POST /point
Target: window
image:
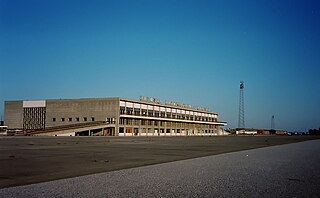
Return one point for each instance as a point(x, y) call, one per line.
point(121, 130)
point(78, 119)
point(128, 121)
point(156, 113)
point(136, 122)
point(122, 110)
point(70, 119)
point(143, 122)
point(136, 111)
point(129, 111)
point(53, 119)
point(144, 112)
point(121, 120)
point(112, 120)
point(150, 113)
point(92, 119)
point(85, 119)
point(62, 119)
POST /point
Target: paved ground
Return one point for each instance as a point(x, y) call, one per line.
point(290, 170)
point(27, 160)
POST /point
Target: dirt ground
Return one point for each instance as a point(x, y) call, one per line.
point(26, 160)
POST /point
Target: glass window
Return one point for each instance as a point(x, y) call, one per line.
point(70, 119)
point(143, 122)
point(150, 113)
point(129, 111)
point(136, 122)
point(156, 113)
point(62, 119)
point(136, 111)
point(129, 121)
point(85, 119)
point(144, 112)
point(168, 115)
point(122, 110)
point(53, 119)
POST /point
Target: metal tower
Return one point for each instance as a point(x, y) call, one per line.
point(241, 107)
point(272, 123)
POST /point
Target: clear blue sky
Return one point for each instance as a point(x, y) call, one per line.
point(195, 52)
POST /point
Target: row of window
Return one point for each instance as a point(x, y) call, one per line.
point(129, 121)
point(149, 130)
point(151, 113)
point(77, 119)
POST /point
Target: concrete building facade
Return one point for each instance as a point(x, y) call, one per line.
point(114, 116)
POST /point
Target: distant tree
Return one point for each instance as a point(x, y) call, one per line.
point(310, 131)
point(314, 131)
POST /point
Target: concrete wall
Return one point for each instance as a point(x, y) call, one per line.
point(74, 111)
point(13, 114)
point(99, 109)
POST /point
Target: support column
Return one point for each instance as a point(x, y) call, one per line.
point(165, 128)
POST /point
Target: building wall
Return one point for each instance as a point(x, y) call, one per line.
point(139, 118)
point(13, 114)
point(128, 117)
point(75, 111)
point(150, 127)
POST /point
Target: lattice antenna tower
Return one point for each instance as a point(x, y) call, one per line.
point(272, 123)
point(241, 123)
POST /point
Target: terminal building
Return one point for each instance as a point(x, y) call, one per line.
point(109, 117)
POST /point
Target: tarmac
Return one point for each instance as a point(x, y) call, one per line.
point(29, 160)
point(289, 170)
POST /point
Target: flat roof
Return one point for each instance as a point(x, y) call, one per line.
point(124, 99)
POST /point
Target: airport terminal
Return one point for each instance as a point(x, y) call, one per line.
point(109, 117)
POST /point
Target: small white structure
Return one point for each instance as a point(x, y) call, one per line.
point(246, 132)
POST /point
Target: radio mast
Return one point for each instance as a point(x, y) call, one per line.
point(272, 123)
point(241, 106)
